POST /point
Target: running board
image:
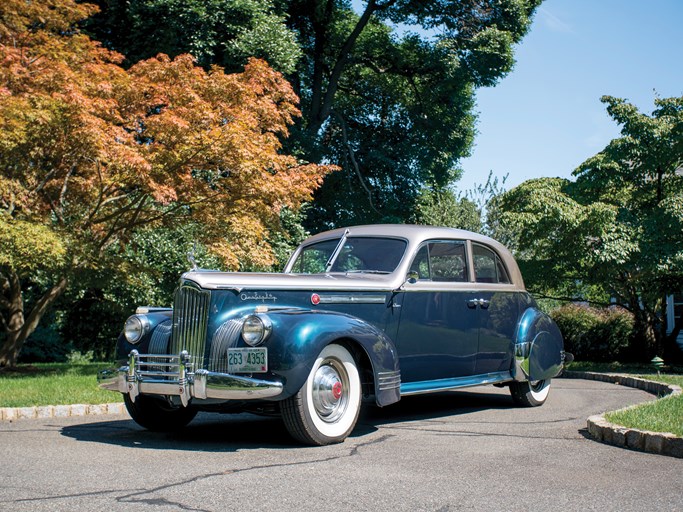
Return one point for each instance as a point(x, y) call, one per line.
point(433, 386)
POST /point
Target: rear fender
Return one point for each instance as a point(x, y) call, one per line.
point(539, 348)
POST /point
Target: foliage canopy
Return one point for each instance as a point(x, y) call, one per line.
point(91, 152)
point(618, 227)
point(387, 91)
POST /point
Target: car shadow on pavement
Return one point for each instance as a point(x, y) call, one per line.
point(231, 432)
point(433, 407)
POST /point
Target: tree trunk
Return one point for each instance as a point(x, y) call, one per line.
point(9, 351)
point(18, 327)
point(645, 343)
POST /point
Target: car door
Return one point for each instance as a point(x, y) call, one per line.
point(438, 332)
point(498, 305)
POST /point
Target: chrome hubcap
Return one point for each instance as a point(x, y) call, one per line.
point(330, 391)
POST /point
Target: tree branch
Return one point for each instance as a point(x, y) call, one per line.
point(354, 163)
point(47, 178)
point(323, 107)
point(62, 193)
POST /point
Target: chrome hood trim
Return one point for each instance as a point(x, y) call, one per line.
point(239, 281)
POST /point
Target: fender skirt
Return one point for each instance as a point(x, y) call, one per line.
point(539, 348)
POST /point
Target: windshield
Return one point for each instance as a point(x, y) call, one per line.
point(358, 254)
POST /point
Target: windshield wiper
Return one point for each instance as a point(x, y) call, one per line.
point(336, 251)
point(361, 271)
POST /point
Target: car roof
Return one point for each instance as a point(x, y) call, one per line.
point(412, 232)
point(416, 234)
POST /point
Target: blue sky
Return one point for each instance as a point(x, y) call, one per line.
point(545, 118)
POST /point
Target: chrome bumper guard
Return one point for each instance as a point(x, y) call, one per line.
point(173, 375)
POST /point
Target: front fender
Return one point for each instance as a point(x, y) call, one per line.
point(155, 341)
point(539, 347)
point(300, 335)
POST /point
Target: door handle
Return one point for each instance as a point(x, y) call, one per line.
point(482, 303)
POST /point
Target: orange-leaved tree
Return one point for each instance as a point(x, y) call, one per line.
point(90, 152)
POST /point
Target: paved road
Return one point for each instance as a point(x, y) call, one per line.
point(469, 450)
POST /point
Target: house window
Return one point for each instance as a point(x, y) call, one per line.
point(674, 310)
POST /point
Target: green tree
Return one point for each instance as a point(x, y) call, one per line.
point(467, 209)
point(222, 32)
point(393, 107)
point(387, 93)
point(444, 208)
point(144, 271)
point(619, 227)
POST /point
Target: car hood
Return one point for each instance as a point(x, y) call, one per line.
point(239, 281)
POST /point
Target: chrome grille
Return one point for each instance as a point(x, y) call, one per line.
point(160, 337)
point(190, 318)
point(225, 337)
point(159, 342)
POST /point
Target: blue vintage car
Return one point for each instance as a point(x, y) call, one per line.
point(362, 314)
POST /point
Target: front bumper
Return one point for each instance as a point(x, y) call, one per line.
point(155, 374)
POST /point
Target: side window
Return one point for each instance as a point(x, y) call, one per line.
point(488, 267)
point(421, 263)
point(312, 259)
point(441, 261)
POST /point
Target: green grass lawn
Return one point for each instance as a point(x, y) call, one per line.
point(663, 415)
point(53, 384)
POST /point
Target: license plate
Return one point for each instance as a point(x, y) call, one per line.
point(247, 360)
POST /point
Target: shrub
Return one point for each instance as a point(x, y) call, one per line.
point(93, 323)
point(45, 345)
point(594, 334)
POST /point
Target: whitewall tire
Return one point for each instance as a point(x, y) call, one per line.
point(325, 409)
point(530, 394)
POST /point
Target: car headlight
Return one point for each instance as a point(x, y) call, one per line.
point(256, 329)
point(135, 328)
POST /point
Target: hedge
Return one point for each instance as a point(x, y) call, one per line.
point(595, 334)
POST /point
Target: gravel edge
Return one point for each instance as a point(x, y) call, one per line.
point(642, 440)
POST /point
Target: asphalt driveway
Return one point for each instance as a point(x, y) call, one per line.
point(469, 450)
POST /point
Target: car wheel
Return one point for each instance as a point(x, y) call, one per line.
point(530, 394)
point(325, 409)
point(155, 414)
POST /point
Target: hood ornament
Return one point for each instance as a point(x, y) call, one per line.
point(191, 258)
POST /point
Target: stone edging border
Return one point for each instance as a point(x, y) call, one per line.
point(642, 440)
point(59, 411)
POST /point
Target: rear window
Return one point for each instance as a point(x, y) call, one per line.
point(488, 267)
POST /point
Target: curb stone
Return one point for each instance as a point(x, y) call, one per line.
point(642, 440)
point(10, 414)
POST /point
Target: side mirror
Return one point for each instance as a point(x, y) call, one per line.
point(412, 277)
